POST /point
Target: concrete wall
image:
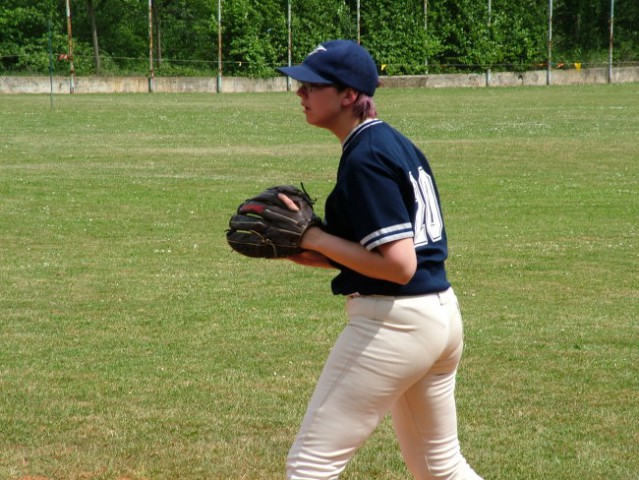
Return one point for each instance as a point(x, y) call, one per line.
point(61, 85)
point(512, 79)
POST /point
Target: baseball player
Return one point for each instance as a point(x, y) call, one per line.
point(384, 233)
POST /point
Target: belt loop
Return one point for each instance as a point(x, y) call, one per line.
point(444, 296)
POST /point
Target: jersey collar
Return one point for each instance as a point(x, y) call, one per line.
point(358, 129)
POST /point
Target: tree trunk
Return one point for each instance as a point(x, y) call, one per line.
point(94, 36)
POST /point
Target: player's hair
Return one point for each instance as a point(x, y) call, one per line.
point(364, 106)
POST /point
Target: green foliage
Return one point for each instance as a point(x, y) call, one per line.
point(517, 41)
point(315, 21)
point(454, 35)
point(23, 33)
point(250, 31)
point(462, 28)
point(396, 37)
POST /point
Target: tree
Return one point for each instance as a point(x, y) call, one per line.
point(111, 36)
point(25, 27)
point(396, 37)
point(94, 35)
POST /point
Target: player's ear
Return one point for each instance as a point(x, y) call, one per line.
point(350, 96)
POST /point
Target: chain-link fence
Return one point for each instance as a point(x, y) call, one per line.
point(248, 38)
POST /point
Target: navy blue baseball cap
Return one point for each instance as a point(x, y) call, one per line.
point(341, 62)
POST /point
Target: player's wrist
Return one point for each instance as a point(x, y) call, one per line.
point(311, 239)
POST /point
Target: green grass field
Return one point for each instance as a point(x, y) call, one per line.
point(135, 345)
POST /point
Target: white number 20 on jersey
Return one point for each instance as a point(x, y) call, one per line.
point(428, 218)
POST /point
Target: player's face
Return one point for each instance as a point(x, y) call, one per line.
point(321, 103)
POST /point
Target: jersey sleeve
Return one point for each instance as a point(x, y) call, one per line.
point(378, 213)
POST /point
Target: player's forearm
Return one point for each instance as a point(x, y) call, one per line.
point(310, 258)
point(393, 263)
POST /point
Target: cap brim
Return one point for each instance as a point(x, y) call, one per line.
point(302, 73)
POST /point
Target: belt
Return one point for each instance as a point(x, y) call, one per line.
point(444, 295)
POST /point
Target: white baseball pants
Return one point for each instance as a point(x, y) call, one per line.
point(397, 354)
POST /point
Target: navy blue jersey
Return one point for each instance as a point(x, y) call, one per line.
point(385, 191)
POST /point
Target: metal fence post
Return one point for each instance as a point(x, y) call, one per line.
point(219, 46)
point(549, 66)
point(611, 21)
point(426, 34)
point(359, 35)
point(70, 54)
point(490, 12)
point(290, 44)
point(151, 69)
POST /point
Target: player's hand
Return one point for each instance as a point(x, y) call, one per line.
point(311, 233)
point(288, 202)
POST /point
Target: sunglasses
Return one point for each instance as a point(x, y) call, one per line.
point(311, 87)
